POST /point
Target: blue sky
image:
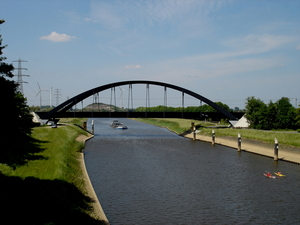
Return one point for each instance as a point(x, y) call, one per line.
point(224, 50)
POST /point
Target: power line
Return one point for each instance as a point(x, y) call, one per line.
point(57, 95)
point(20, 75)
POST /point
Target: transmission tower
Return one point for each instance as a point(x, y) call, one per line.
point(57, 95)
point(20, 75)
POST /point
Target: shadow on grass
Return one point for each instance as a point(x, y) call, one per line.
point(20, 150)
point(35, 201)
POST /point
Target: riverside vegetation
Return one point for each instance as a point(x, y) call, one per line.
point(49, 188)
point(181, 126)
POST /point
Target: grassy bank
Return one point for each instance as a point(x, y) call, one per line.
point(176, 125)
point(49, 188)
point(182, 125)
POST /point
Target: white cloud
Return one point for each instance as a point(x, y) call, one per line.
point(133, 67)
point(56, 37)
point(253, 44)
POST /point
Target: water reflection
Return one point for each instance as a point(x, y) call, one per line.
point(148, 175)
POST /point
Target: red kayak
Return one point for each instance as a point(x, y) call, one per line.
point(269, 175)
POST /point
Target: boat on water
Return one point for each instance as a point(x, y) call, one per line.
point(269, 175)
point(121, 126)
point(117, 125)
point(279, 174)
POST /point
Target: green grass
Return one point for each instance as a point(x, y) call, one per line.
point(181, 125)
point(285, 138)
point(60, 151)
point(176, 125)
point(78, 121)
point(50, 189)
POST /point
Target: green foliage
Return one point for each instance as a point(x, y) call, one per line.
point(278, 115)
point(5, 69)
point(161, 108)
point(297, 113)
point(16, 120)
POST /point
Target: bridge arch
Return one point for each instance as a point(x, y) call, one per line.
point(63, 107)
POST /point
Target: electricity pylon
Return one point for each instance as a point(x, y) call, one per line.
point(20, 75)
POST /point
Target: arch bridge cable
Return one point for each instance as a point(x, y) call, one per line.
point(61, 110)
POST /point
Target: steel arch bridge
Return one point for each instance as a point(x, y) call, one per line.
point(61, 110)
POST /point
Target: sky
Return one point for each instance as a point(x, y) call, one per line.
point(224, 50)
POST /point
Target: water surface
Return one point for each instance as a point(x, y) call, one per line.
point(149, 175)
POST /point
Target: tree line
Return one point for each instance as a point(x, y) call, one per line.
point(203, 108)
point(278, 115)
point(274, 115)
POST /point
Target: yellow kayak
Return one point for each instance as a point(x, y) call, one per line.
point(279, 174)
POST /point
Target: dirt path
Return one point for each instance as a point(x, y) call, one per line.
point(284, 153)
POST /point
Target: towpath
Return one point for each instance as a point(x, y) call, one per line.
point(285, 153)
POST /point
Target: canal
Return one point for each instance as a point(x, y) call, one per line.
point(149, 175)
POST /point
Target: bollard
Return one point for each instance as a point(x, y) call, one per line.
point(84, 125)
point(239, 142)
point(192, 126)
point(92, 126)
point(276, 150)
point(194, 134)
point(213, 136)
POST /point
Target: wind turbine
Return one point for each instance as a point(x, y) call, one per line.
point(40, 92)
point(121, 95)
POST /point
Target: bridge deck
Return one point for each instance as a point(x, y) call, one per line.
point(215, 116)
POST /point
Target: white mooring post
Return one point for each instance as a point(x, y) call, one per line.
point(213, 136)
point(92, 126)
point(239, 142)
point(276, 150)
point(193, 129)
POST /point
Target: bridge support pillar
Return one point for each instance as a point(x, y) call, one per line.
point(276, 150)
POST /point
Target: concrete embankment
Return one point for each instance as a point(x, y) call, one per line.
point(285, 153)
point(98, 212)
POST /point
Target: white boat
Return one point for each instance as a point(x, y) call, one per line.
point(117, 125)
point(121, 126)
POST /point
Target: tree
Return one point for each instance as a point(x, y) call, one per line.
point(278, 115)
point(297, 112)
point(255, 109)
point(16, 120)
point(286, 117)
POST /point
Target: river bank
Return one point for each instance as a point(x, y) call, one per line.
point(97, 208)
point(290, 154)
point(52, 186)
point(254, 141)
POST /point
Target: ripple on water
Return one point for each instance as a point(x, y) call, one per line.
point(141, 178)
